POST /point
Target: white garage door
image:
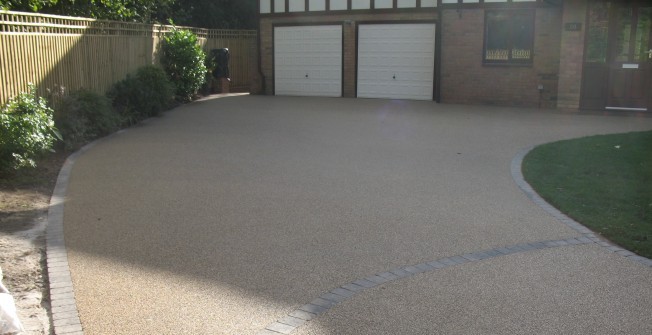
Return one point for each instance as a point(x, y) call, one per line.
point(308, 61)
point(396, 61)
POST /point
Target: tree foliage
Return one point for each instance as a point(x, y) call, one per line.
point(184, 62)
point(226, 14)
point(26, 130)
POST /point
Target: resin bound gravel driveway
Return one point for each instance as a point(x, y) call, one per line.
point(254, 214)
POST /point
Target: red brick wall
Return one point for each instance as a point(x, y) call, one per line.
point(572, 55)
point(464, 79)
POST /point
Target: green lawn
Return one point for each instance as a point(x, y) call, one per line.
point(603, 182)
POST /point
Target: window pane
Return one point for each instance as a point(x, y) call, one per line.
point(521, 37)
point(623, 31)
point(360, 4)
point(317, 5)
point(297, 6)
point(508, 36)
point(383, 4)
point(598, 32)
point(643, 34)
point(497, 36)
point(339, 4)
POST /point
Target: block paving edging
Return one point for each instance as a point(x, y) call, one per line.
point(328, 300)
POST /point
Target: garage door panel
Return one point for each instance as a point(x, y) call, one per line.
point(396, 61)
point(308, 60)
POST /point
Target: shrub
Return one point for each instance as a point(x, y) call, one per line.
point(146, 94)
point(26, 130)
point(84, 116)
point(183, 61)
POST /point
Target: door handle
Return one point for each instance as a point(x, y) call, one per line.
point(649, 54)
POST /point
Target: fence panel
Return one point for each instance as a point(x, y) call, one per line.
point(68, 53)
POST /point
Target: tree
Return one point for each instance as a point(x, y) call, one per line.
point(121, 10)
point(224, 14)
point(212, 14)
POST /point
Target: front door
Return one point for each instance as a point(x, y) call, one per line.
point(630, 56)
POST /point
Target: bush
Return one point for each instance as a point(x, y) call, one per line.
point(84, 116)
point(26, 130)
point(183, 61)
point(138, 97)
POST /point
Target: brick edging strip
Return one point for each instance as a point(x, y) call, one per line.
point(517, 175)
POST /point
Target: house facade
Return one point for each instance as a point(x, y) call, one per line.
point(569, 54)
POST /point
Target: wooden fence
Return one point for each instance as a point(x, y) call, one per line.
point(68, 53)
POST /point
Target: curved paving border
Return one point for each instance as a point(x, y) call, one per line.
point(328, 300)
point(517, 175)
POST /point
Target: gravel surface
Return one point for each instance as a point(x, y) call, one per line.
point(225, 215)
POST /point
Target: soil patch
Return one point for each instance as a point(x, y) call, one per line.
point(24, 200)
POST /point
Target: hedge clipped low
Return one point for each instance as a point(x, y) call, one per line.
point(183, 61)
point(26, 130)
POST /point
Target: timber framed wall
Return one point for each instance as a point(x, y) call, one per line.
point(58, 52)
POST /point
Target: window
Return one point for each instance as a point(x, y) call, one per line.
point(508, 37)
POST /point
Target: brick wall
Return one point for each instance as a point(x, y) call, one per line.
point(572, 55)
point(464, 79)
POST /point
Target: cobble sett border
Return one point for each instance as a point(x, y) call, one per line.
point(65, 315)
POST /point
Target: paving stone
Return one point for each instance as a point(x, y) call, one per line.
point(343, 292)
point(493, 253)
point(314, 309)
point(504, 251)
point(447, 261)
point(459, 259)
point(333, 297)
point(471, 257)
point(388, 275)
point(65, 315)
point(365, 283)
point(323, 302)
point(437, 264)
point(401, 273)
point(64, 308)
point(267, 332)
point(67, 322)
point(292, 321)
point(625, 253)
point(303, 315)
point(377, 279)
point(69, 329)
point(413, 269)
point(614, 248)
point(353, 287)
point(424, 266)
point(281, 328)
